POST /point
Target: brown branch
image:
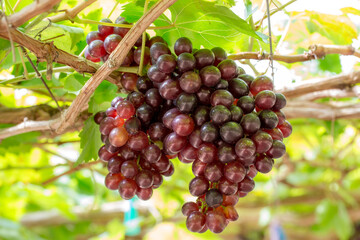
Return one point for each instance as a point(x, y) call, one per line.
point(34, 113)
point(70, 171)
point(309, 86)
point(71, 13)
point(17, 19)
point(114, 61)
point(332, 93)
point(315, 52)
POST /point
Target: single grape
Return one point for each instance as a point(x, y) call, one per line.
point(158, 49)
point(138, 141)
point(89, 57)
point(231, 213)
point(230, 200)
point(207, 152)
point(190, 82)
point(186, 102)
point(198, 168)
point(268, 119)
point(127, 188)
point(189, 152)
point(182, 45)
point(265, 99)
point(105, 31)
point(145, 113)
point(234, 172)
point(183, 159)
point(153, 98)
point(127, 153)
point(111, 42)
point(151, 153)
point(209, 132)
point(128, 59)
point(170, 171)
point(215, 221)
point(223, 84)
point(213, 171)
point(264, 163)
point(247, 161)
point(96, 49)
point(226, 153)
point(138, 42)
point(252, 171)
point(157, 131)
point(186, 62)
point(220, 55)
point(247, 78)
point(246, 185)
point(231, 132)
point(204, 57)
point(106, 125)
point(156, 39)
point(236, 113)
point(261, 83)
point(174, 143)
point(195, 222)
point(137, 56)
point(203, 95)
point(198, 186)
point(220, 114)
point(188, 208)
point(143, 84)
point(136, 98)
point(250, 123)
point(285, 128)
point(111, 112)
point(281, 117)
point(99, 116)
point(110, 147)
point(162, 165)
point(238, 87)
point(201, 115)
point(144, 179)
point(263, 141)
point(275, 133)
point(226, 187)
point(144, 193)
point(195, 138)
point(157, 179)
point(170, 89)
point(280, 102)
point(155, 75)
point(169, 116)
point(125, 109)
point(114, 164)
point(120, 30)
point(94, 35)
point(129, 169)
point(210, 76)
point(228, 69)
point(166, 63)
point(213, 198)
point(277, 149)
point(221, 97)
point(183, 125)
point(133, 125)
point(246, 103)
point(112, 180)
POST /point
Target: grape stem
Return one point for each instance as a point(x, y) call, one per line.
point(141, 65)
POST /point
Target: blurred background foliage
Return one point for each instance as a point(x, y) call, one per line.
point(313, 192)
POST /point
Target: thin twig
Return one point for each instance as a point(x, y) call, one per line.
point(39, 76)
point(9, 34)
point(141, 65)
point(71, 13)
point(32, 168)
point(270, 40)
point(69, 161)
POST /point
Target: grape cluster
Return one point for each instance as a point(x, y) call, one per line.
point(202, 108)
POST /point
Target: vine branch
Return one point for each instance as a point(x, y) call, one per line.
point(71, 13)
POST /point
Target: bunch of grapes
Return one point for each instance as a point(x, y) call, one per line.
point(202, 108)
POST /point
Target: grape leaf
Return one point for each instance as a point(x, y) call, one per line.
point(330, 63)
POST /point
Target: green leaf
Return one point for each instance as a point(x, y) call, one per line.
point(74, 82)
point(248, 8)
point(90, 141)
point(102, 97)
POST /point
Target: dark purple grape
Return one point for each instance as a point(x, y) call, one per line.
point(169, 116)
point(247, 78)
point(198, 168)
point(170, 89)
point(228, 69)
point(145, 113)
point(111, 148)
point(265, 99)
point(263, 141)
point(285, 128)
point(226, 187)
point(230, 200)
point(158, 49)
point(188, 208)
point(138, 42)
point(151, 153)
point(137, 56)
point(144, 179)
point(114, 164)
point(94, 35)
point(198, 186)
point(133, 125)
point(170, 171)
point(220, 55)
point(204, 95)
point(261, 83)
point(174, 143)
point(190, 82)
point(195, 222)
point(96, 49)
point(91, 58)
point(129, 168)
point(246, 185)
point(138, 141)
point(127, 188)
point(275, 133)
point(247, 161)
point(143, 84)
point(157, 131)
point(186, 102)
point(111, 42)
point(157, 179)
point(231, 132)
point(277, 149)
point(238, 87)
point(250, 123)
point(213, 171)
point(268, 119)
point(128, 59)
point(112, 180)
point(106, 125)
point(144, 193)
point(234, 172)
point(156, 39)
point(99, 116)
point(220, 114)
point(186, 62)
point(246, 103)
point(236, 113)
point(166, 63)
point(182, 45)
point(195, 138)
point(207, 152)
point(209, 132)
point(136, 98)
point(183, 125)
point(215, 221)
point(120, 30)
point(162, 165)
point(189, 152)
point(153, 98)
point(280, 102)
point(156, 75)
point(125, 109)
point(213, 198)
point(204, 57)
point(221, 97)
point(226, 153)
point(105, 155)
point(264, 163)
point(223, 84)
point(252, 171)
point(210, 76)
point(201, 115)
point(126, 153)
point(105, 30)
